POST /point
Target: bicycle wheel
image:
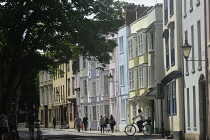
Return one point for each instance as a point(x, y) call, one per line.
point(147, 129)
point(130, 130)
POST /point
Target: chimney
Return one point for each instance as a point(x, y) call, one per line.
point(130, 13)
point(139, 10)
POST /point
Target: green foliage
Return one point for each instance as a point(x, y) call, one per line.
point(61, 29)
point(39, 34)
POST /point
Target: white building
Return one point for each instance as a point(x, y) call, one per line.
point(193, 29)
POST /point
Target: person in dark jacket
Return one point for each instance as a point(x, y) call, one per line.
point(112, 123)
point(32, 118)
point(13, 124)
point(54, 122)
point(85, 121)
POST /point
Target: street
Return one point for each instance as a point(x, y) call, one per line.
point(66, 134)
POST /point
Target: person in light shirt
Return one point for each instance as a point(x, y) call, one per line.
point(140, 122)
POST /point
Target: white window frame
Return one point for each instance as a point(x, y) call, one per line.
point(106, 110)
point(121, 44)
point(84, 63)
point(130, 48)
point(106, 85)
point(84, 87)
point(131, 79)
point(140, 44)
point(141, 77)
point(94, 113)
point(122, 75)
point(93, 88)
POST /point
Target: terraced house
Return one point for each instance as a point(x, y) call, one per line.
point(64, 96)
point(145, 64)
point(193, 30)
point(172, 81)
point(46, 111)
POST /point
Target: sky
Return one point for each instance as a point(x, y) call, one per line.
point(144, 2)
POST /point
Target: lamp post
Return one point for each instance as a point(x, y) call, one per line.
point(116, 96)
point(110, 77)
point(186, 48)
point(57, 93)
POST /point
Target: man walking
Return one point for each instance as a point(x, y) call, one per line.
point(85, 121)
point(31, 120)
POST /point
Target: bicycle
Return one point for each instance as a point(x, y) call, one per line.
point(130, 129)
point(39, 133)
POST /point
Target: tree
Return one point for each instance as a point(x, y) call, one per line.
point(36, 34)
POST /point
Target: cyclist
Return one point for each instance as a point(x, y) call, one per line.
point(140, 122)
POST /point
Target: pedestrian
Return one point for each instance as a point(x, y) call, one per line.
point(112, 123)
point(54, 122)
point(102, 122)
point(32, 118)
point(106, 124)
point(85, 121)
point(78, 121)
point(4, 127)
point(13, 123)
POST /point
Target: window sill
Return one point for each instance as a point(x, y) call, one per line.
point(195, 128)
point(199, 68)
point(122, 85)
point(187, 74)
point(185, 15)
point(121, 52)
point(123, 119)
point(171, 14)
point(198, 3)
point(188, 128)
point(151, 50)
point(193, 71)
point(191, 9)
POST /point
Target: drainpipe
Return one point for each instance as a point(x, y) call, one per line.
point(183, 77)
point(206, 126)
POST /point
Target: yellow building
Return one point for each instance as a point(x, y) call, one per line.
point(64, 103)
point(46, 99)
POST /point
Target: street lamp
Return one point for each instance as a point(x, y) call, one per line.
point(186, 49)
point(110, 77)
point(57, 93)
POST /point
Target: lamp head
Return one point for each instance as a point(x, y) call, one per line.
point(110, 77)
point(57, 92)
point(186, 49)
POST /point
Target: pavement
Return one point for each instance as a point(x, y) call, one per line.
point(25, 136)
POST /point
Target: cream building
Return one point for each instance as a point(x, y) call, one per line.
point(173, 83)
point(144, 65)
point(64, 96)
point(57, 97)
point(46, 111)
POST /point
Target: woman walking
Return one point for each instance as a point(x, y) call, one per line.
point(4, 127)
point(102, 121)
point(112, 123)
